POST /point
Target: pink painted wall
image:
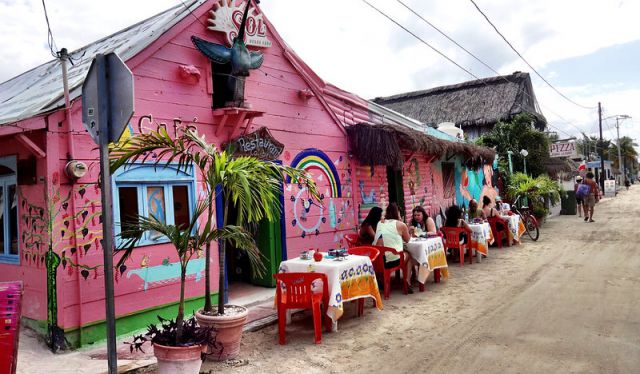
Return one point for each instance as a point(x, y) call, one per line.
point(32, 236)
point(371, 189)
point(310, 129)
point(162, 92)
point(418, 183)
point(440, 200)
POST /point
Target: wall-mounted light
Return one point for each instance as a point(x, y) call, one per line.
point(75, 169)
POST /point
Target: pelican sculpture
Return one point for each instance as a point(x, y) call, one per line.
point(238, 56)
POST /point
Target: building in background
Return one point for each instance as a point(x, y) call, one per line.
point(475, 106)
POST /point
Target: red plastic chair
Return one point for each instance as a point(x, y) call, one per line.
point(499, 234)
point(386, 272)
point(452, 241)
point(373, 254)
point(352, 239)
point(298, 294)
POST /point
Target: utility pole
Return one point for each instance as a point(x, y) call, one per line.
point(621, 168)
point(619, 153)
point(601, 148)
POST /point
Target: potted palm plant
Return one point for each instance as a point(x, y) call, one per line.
point(178, 344)
point(252, 185)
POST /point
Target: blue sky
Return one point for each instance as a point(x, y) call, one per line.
point(617, 66)
point(586, 49)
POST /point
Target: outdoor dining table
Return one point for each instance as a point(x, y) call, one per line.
point(430, 254)
point(516, 227)
point(349, 278)
point(481, 238)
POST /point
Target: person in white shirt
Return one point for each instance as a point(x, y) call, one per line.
point(393, 233)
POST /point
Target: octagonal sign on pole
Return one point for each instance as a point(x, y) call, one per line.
point(115, 96)
point(107, 107)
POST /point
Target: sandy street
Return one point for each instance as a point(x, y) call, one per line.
point(568, 303)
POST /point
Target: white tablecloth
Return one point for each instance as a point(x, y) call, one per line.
point(429, 253)
point(514, 226)
point(350, 279)
point(481, 237)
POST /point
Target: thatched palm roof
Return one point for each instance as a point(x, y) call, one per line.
point(475, 103)
point(556, 165)
point(383, 145)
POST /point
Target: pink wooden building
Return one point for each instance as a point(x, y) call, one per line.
point(51, 221)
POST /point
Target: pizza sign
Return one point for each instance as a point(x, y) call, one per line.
point(226, 16)
point(563, 149)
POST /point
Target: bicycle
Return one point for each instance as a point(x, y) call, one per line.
point(531, 225)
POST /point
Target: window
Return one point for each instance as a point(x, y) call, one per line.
point(164, 193)
point(9, 248)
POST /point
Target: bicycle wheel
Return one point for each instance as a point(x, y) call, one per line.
point(531, 227)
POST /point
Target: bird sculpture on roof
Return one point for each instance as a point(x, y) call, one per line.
point(238, 55)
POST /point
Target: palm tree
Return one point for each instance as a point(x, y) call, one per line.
point(628, 152)
point(591, 145)
point(252, 185)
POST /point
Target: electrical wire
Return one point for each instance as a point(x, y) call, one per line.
point(525, 61)
point(427, 44)
point(452, 61)
point(50, 41)
point(534, 100)
point(420, 39)
point(447, 36)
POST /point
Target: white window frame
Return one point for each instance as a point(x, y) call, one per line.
point(5, 181)
point(141, 176)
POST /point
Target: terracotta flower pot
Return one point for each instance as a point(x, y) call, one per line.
point(171, 360)
point(228, 329)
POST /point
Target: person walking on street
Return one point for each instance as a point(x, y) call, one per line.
point(579, 200)
point(627, 183)
point(592, 197)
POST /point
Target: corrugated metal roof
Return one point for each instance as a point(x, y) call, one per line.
point(40, 90)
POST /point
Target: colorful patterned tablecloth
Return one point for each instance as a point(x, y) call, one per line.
point(481, 237)
point(516, 227)
point(429, 252)
point(349, 279)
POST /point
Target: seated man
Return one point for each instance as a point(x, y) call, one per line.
point(501, 206)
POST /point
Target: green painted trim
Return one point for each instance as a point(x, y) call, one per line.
point(36, 325)
point(125, 325)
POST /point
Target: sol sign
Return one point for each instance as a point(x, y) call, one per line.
point(226, 16)
point(563, 149)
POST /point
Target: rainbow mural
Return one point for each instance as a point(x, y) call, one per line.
point(314, 159)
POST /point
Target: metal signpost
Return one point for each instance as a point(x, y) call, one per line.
point(107, 107)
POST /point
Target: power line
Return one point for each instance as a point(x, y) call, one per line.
point(523, 59)
point(486, 65)
point(470, 54)
point(447, 36)
point(420, 39)
point(52, 44)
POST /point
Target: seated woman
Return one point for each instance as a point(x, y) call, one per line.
point(368, 227)
point(393, 233)
point(490, 211)
point(474, 212)
point(421, 223)
point(454, 219)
